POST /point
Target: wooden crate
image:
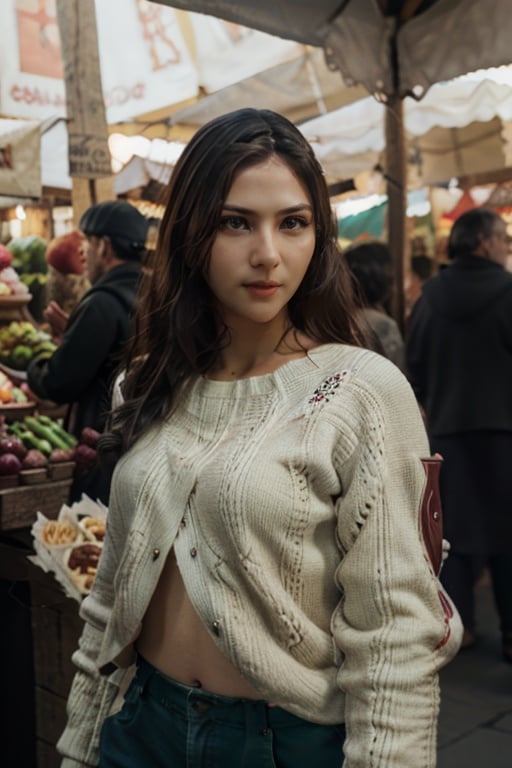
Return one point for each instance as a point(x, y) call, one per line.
point(56, 628)
point(18, 506)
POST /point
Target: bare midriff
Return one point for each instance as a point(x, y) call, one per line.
point(174, 640)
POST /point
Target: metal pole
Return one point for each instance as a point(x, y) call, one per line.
point(396, 178)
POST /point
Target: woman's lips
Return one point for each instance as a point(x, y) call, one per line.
point(261, 289)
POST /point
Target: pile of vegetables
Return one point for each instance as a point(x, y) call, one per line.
point(9, 392)
point(29, 255)
point(10, 282)
point(37, 441)
point(29, 262)
point(33, 443)
point(42, 434)
point(86, 455)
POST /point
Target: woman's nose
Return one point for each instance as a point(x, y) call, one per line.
point(265, 249)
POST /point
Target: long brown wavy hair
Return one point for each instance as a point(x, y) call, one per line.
point(178, 334)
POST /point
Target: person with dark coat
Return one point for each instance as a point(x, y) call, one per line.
point(371, 266)
point(459, 359)
point(81, 370)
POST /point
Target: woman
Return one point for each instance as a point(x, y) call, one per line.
point(263, 553)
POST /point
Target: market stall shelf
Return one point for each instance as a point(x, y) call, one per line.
point(14, 411)
point(15, 307)
point(18, 506)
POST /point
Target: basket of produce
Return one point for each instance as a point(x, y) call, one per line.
point(14, 403)
point(21, 342)
point(13, 291)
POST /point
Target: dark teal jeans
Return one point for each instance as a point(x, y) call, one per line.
point(164, 724)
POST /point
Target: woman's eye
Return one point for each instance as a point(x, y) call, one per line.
point(233, 223)
point(294, 222)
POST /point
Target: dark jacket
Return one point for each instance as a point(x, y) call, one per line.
point(459, 348)
point(80, 371)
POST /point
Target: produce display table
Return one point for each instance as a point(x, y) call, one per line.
point(47, 615)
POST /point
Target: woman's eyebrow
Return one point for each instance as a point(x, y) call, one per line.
point(283, 211)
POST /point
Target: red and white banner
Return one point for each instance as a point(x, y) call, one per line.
point(151, 56)
point(31, 84)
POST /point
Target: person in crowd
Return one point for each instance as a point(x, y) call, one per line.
point(264, 564)
point(422, 268)
point(371, 265)
point(80, 371)
point(459, 358)
point(67, 279)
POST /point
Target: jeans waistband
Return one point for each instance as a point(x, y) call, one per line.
point(185, 698)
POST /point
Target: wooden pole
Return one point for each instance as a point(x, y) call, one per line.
point(396, 178)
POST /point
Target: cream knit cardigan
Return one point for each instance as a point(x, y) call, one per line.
point(292, 501)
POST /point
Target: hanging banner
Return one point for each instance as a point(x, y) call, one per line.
point(227, 53)
point(149, 66)
point(20, 158)
point(31, 83)
point(89, 156)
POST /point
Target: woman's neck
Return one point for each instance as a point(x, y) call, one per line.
point(260, 353)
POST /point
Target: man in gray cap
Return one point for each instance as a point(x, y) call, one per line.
point(81, 370)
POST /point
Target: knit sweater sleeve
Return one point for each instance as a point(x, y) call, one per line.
point(92, 694)
point(391, 624)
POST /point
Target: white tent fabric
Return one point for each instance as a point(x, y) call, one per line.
point(445, 39)
point(20, 163)
point(138, 172)
point(299, 89)
point(455, 130)
point(54, 155)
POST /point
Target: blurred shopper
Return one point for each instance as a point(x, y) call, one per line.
point(80, 371)
point(459, 357)
point(371, 266)
point(422, 269)
point(67, 277)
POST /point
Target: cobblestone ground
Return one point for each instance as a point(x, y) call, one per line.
point(475, 728)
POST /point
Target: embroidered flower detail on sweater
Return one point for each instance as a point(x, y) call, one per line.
point(327, 388)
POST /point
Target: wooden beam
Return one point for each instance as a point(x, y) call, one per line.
point(486, 177)
point(396, 181)
point(339, 187)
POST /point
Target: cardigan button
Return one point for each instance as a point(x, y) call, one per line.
point(216, 627)
point(156, 553)
point(193, 552)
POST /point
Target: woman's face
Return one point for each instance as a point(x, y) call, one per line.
point(263, 246)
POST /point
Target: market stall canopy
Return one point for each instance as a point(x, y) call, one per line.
point(458, 128)
point(299, 89)
point(389, 47)
point(139, 172)
point(20, 158)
